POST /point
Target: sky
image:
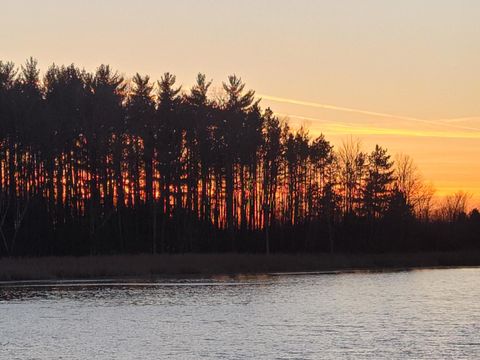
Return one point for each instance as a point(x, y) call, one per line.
point(403, 74)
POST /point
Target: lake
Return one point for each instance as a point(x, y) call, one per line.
point(420, 314)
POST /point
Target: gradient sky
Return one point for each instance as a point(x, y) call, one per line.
point(404, 74)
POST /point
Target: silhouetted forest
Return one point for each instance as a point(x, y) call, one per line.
point(93, 164)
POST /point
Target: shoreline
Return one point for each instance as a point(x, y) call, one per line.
point(165, 266)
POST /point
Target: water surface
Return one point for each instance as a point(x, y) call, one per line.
point(423, 314)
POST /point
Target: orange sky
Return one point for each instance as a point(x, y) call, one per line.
point(446, 150)
point(403, 74)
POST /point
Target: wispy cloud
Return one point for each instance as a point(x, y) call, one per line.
point(330, 127)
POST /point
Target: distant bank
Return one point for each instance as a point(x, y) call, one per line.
point(151, 266)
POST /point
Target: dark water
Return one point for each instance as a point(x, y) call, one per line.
point(429, 314)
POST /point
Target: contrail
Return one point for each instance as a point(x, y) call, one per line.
point(462, 119)
point(363, 112)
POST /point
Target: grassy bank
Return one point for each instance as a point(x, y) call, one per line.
point(145, 266)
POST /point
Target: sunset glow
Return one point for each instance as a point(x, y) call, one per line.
point(404, 75)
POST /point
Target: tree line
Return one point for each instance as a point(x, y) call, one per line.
point(92, 163)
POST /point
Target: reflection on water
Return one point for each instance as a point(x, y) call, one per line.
point(418, 314)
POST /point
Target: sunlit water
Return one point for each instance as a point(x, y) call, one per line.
point(429, 314)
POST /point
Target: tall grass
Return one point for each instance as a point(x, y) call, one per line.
point(151, 266)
